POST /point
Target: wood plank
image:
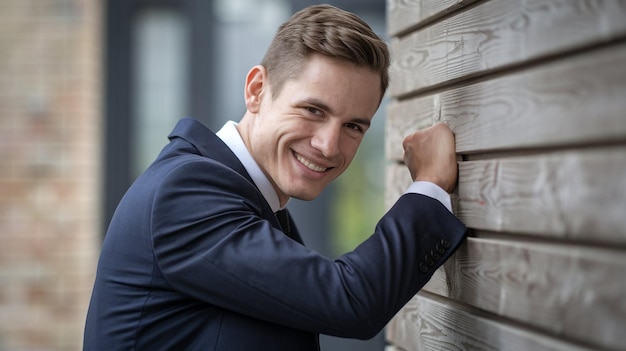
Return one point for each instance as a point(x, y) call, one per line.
point(579, 194)
point(571, 102)
point(397, 179)
point(572, 291)
point(405, 14)
point(498, 34)
point(573, 194)
point(393, 348)
point(428, 323)
point(405, 118)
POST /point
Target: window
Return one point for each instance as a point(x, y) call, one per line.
point(160, 43)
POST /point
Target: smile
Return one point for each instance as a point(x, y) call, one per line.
point(310, 165)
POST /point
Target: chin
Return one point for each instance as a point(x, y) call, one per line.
point(306, 196)
point(306, 190)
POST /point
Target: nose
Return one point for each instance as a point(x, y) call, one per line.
point(326, 140)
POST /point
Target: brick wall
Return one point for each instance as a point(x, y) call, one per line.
point(50, 157)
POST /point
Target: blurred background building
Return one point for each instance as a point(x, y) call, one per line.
point(89, 91)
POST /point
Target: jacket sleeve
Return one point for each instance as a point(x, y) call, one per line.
point(213, 241)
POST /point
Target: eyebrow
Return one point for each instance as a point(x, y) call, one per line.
point(323, 106)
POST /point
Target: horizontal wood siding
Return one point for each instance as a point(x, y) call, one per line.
point(576, 101)
point(535, 92)
point(429, 323)
point(571, 194)
point(498, 34)
point(402, 15)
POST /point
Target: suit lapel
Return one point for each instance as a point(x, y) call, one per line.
point(208, 144)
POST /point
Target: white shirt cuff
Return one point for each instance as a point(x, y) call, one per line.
point(431, 190)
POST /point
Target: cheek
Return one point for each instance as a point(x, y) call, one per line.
point(275, 142)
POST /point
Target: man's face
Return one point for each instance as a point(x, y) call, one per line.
point(307, 136)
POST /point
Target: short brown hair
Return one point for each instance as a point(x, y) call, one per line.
point(329, 31)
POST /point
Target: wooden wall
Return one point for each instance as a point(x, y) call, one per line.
point(535, 92)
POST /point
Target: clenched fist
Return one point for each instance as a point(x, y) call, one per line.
point(430, 156)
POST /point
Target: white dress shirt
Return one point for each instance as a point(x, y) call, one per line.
point(231, 137)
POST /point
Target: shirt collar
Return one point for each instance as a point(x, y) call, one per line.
point(231, 137)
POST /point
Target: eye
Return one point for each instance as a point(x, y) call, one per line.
point(314, 110)
point(354, 127)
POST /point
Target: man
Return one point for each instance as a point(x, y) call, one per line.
point(200, 254)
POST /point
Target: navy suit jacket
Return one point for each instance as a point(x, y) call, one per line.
point(195, 259)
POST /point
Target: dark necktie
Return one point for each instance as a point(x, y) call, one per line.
point(283, 219)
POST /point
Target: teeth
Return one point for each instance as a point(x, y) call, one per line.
point(310, 165)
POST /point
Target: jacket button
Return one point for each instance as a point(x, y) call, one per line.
point(434, 255)
point(423, 267)
point(428, 260)
point(445, 243)
point(440, 249)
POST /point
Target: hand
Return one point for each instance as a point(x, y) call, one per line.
point(430, 156)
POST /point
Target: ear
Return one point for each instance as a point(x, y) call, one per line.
point(256, 86)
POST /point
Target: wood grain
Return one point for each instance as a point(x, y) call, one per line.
point(535, 92)
point(498, 34)
point(404, 14)
point(405, 118)
point(428, 323)
point(393, 348)
point(576, 101)
point(573, 195)
point(569, 290)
